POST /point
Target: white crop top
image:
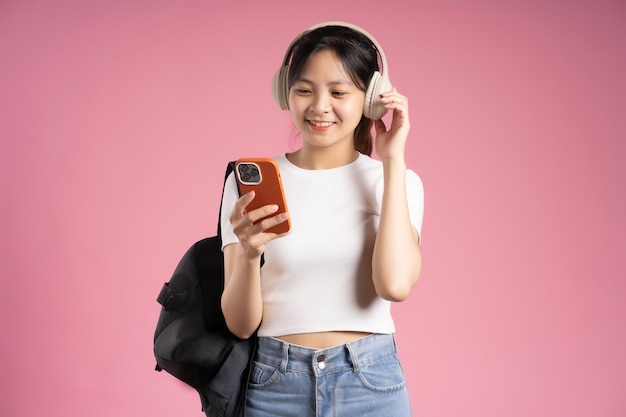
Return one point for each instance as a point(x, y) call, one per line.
point(319, 277)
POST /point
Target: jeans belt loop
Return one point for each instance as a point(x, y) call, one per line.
point(353, 357)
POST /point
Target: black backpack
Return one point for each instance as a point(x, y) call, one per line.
point(192, 341)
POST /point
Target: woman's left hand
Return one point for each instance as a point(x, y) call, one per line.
point(390, 144)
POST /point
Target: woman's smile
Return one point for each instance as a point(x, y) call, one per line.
point(320, 126)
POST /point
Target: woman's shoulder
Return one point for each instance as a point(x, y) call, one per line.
point(368, 162)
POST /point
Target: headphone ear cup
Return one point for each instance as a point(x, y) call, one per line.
point(280, 90)
point(373, 107)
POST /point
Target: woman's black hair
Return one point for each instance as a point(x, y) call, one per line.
point(359, 57)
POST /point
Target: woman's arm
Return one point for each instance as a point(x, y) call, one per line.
point(396, 261)
point(242, 302)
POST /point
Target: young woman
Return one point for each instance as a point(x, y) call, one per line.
point(321, 302)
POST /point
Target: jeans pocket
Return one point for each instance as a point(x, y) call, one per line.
point(262, 375)
point(384, 375)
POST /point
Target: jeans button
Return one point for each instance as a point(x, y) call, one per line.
point(320, 361)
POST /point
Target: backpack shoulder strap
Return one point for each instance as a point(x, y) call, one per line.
point(229, 168)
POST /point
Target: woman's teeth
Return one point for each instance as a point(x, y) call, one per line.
point(320, 124)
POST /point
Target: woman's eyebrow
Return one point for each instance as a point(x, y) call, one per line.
point(332, 83)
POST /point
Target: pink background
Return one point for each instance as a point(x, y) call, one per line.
point(117, 119)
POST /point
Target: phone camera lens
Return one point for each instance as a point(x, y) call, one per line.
point(249, 173)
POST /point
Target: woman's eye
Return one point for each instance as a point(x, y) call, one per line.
point(339, 93)
point(302, 91)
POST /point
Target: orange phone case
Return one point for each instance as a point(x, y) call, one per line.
point(267, 186)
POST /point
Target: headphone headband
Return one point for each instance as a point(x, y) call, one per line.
point(379, 49)
point(373, 108)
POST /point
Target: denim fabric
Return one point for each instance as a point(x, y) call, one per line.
point(362, 378)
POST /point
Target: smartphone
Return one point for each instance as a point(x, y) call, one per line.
point(262, 176)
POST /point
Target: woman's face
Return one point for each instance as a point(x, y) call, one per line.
point(325, 105)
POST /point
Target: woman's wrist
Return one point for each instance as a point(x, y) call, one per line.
point(394, 164)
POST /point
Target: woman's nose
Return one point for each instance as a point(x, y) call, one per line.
point(321, 103)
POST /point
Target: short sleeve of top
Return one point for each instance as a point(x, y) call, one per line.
point(229, 198)
point(415, 198)
point(318, 278)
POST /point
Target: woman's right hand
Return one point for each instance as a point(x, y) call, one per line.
point(249, 230)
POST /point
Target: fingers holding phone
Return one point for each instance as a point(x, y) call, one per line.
point(264, 219)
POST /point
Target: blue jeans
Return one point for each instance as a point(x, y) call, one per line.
point(359, 379)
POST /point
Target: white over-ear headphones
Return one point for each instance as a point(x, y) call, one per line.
point(373, 108)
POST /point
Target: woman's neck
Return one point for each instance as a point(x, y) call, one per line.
point(314, 158)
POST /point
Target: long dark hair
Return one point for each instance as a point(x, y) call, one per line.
point(360, 60)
